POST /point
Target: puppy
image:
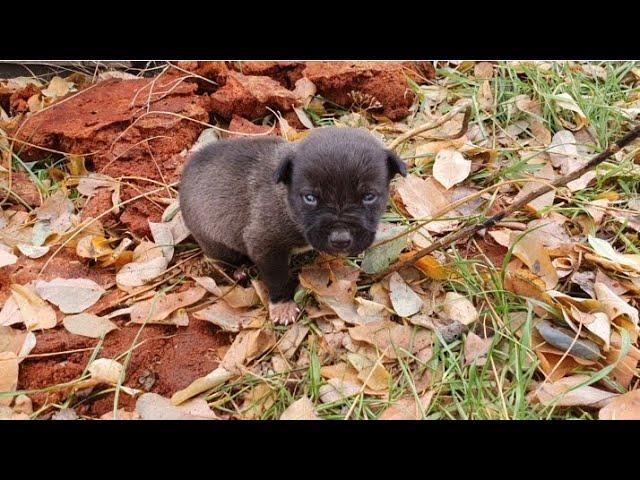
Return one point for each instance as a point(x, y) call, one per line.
point(261, 198)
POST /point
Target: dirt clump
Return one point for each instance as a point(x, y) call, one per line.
point(18, 99)
point(242, 125)
point(376, 86)
point(166, 360)
point(250, 97)
point(285, 73)
point(215, 73)
point(22, 186)
point(128, 128)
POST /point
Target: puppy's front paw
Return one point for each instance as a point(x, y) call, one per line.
point(284, 312)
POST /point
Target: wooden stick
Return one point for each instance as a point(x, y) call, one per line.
point(466, 108)
point(472, 229)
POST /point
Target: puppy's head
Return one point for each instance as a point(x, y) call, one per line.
point(338, 186)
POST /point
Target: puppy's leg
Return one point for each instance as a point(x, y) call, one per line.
point(214, 253)
point(218, 251)
point(274, 269)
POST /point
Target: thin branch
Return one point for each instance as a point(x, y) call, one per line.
point(472, 229)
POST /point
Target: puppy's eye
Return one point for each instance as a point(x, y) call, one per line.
point(369, 198)
point(310, 199)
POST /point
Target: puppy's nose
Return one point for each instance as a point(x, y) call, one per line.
point(340, 239)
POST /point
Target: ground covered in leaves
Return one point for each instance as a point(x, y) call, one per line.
point(108, 308)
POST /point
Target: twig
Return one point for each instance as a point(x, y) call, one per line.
point(472, 229)
point(466, 107)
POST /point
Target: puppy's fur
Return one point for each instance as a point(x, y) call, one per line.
point(261, 198)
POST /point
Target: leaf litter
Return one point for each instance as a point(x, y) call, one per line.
point(569, 262)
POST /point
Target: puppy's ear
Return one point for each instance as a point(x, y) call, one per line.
point(395, 165)
point(283, 172)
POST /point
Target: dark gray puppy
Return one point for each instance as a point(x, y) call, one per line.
point(262, 198)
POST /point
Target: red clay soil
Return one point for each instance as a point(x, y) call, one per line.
point(22, 186)
point(110, 122)
point(168, 360)
point(344, 82)
point(285, 73)
point(242, 125)
point(173, 362)
point(65, 264)
point(18, 99)
point(250, 97)
point(216, 72)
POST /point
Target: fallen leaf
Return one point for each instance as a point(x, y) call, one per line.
point(407, 408)
point(485, 96)
point(122, 414)
point(7, 258)
point(422, 199)
point(624, 407)
point(35, 313)
point(475, 348)
point(614, 306)
point(32, 251)
point(390, 338)
point(230, 319)
point(211, 380)
point(567, 102)
point(71, 295)
point(151, 406)
point(301, 409)
point(604, 249)
point(160, 307)
point(563, 393)
point(450, 168)
point(370, 372)
point(8, 376)
point(563, 147)
point(377, 258)
point(247, 345)
point(528, 248)
point(105, 370)
point(58, 87)
point(88, 325)
point(405, 301)
point(457, 307)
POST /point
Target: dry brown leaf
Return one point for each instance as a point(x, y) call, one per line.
point(485, 96)
point(459, 308)
point(8, 376)
point(563, 393)
point(6, 257)
point(624, 407)
point(88, 325)
point(151, 406)
point(532, 252)
point(231, 319)
point(475, 348)
point(370, 372)
point(615, 307)
point(422, 199)
point(301, 409)
point(202, 384)
point(159, 308)
point(248, 344)
point(405, 301)
point(450, 168)
point(390, 338)
point(71, 295)
point(407, 408)
point(35, 313)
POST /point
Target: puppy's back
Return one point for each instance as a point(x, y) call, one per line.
point(217, 183)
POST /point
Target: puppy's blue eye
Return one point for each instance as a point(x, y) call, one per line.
point(369, 198)
point(310, 199)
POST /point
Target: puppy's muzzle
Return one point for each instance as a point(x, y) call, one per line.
point(340, 240)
